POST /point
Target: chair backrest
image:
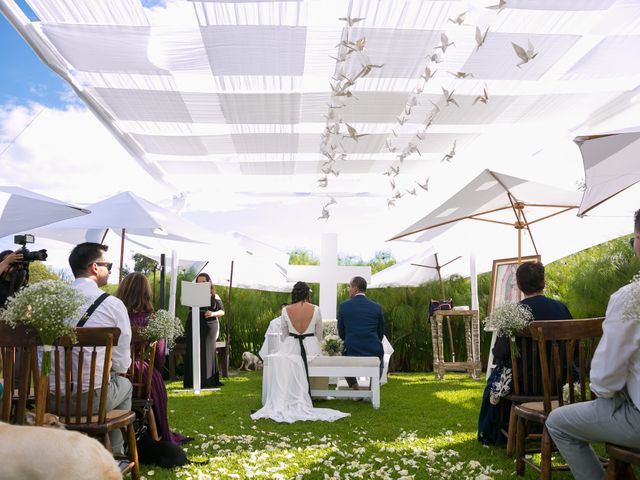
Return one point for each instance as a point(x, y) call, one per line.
point(560, 344)
point(78, 370)
point(18, 349)
point(525, 365)
point(143, 352)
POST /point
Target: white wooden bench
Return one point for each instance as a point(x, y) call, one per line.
point(348, 367)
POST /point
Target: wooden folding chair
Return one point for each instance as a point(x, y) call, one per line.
point(74, 387)
point(559, 342)
point(18, 348)
point(143, 355)
point(620, 461)
point(527, 386)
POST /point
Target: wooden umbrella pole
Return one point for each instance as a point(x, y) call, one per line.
point(453, 351)
point(121, 256)
point(228, 329)
point(519, 228)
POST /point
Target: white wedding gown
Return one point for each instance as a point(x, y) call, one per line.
point(287, 388)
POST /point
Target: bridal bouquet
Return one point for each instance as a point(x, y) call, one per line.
point(332, 345)
point(163, 325)
point(510, 319)
point(45, 307)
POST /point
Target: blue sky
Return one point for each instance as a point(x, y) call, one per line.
point(24, 77)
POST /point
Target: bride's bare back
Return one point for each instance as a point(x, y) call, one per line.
point(300, 314)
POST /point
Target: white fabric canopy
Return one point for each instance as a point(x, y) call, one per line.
point(23, 210)
point(197, 89)
point(610, 166)
point(370, 109)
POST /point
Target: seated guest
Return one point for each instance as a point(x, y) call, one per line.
point(135, 293)
point(91, 271)
point(530, 279)
point(615, 378)
point(275, 326)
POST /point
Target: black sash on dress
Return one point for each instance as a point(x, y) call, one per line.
point(303, 352)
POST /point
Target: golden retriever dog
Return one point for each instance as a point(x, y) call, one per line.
point(41, 453)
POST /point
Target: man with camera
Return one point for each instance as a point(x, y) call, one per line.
point(8, 274)
point(14, 267)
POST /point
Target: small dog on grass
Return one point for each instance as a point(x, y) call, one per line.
point(35, 453)
point(250, 360)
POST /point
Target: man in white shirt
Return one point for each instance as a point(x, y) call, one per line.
point(91, 271)
point(615, 378)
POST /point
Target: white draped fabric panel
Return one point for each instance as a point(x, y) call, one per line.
point(196, 89)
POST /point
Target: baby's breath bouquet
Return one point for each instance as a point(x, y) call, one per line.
point(510, 319)
point(163, 325)
point(332, 345)
point(45, 307)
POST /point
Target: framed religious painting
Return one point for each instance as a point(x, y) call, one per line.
point(504, 287)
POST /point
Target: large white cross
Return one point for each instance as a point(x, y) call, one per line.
point(328, 274)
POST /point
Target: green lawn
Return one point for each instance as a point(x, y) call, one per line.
point(424, 429)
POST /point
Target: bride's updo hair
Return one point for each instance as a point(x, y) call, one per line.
point(300, 292)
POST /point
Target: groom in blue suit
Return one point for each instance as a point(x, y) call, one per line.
point(361, 325)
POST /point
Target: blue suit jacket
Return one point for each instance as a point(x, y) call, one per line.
point(361, 326)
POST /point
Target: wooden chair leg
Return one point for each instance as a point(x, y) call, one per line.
point(520, 450)
point(225, 363)
point(133, 451)
point(619, 470)
point(545, 455)
point(511, 431)
point(107, 441)
point(151, 420)
point(172, 366)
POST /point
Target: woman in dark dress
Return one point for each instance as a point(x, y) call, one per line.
point(209, 331)
point(135, 293)
point(530, 278)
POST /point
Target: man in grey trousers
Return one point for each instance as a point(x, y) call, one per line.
point(615, 378)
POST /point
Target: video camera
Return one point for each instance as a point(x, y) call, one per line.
point(28, 256)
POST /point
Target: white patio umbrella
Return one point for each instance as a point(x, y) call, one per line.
point(128, 213)
point(496, 198)
point(413, 272)
point(610, 166)
point(24, 210)
point(234, 259)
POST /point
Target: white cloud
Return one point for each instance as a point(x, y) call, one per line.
point(68, 154)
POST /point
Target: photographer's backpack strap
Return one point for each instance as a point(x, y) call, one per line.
point(91, 309)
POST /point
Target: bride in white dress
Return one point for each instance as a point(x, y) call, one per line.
point(287, 393)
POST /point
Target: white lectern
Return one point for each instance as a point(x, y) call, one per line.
point(196, 295)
